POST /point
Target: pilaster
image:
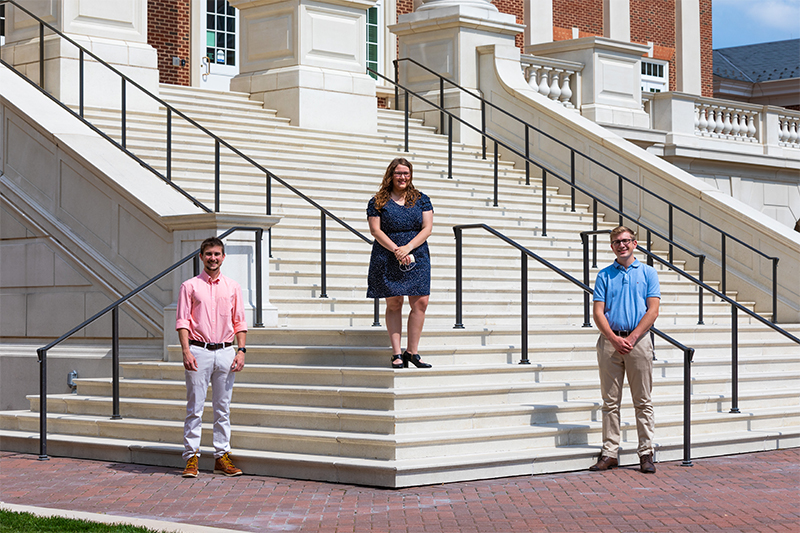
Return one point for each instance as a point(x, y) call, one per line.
point(688, 74)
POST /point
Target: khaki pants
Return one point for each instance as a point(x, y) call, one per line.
point(638, 365)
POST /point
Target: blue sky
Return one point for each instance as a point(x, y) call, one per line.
point(740, 22)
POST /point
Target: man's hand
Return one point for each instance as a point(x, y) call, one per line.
point(622, 344)
point(189, 362)
point(238, 362)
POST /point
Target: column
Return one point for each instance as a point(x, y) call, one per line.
point(115, 31)
point(687, 47)
point(307, 59)
point(538, 18)
point(617, 20)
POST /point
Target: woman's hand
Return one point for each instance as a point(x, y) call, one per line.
point(402, 252)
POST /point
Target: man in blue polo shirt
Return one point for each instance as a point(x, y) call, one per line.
point(626, 300)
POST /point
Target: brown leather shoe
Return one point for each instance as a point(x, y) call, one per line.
point(191, 467)
point(646, 464)
point(224, 465)
point(604, 463)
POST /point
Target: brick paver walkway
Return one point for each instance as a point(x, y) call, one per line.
point(753, 492)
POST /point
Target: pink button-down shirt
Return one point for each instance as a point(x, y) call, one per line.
point(212, 311)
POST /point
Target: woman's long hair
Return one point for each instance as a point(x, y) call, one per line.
point(385, 192)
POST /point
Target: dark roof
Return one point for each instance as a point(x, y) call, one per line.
point(779, 60)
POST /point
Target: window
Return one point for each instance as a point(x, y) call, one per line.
point(2, 24)
point(220, 32)
point(655, 76)
point(373, 40)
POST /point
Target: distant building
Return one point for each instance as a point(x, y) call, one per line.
point(765, 73)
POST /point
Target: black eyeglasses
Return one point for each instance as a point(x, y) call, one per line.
point(402, 174)
point(618, 242)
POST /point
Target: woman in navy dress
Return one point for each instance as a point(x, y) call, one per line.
point(401, 219)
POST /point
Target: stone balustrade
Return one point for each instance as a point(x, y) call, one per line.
point(556, 79)
point(715, 119)
point(789, 132)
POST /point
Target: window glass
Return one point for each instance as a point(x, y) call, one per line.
point(221, 32)
point(372, 40)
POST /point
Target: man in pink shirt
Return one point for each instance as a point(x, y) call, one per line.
point(210, 315)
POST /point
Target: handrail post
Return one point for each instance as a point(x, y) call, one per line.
point(527, 155)
point(619, 198)
point(269, 213)
point(441, 104)
point(216, 175)
point(572, 180)
point(734, 360)
point(496, 192)
point(650, 248)
point(80, 81)
point(196, 265)
point(115, 364)
point(323, 250)
point(376, 313)
point(259, 301)
point(407, 112)
point(41, 55)
point(483, 128)
point(459, 283)
point(124, 118)
point(544, 203)
point(688, 354)
point(396, 82)
point(42, 404)
point(524, 318)
point(450, 147)
point(169, 144)
point(594, 235)
point(775, 289)
point(724, 266)
point(585, 244)
point(702, 261)
point(671, 239)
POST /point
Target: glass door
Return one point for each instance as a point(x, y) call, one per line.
point(221, 60)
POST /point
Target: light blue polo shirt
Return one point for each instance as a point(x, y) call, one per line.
point(625, 292)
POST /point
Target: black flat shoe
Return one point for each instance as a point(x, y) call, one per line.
point(414, 359)
point(397, 361)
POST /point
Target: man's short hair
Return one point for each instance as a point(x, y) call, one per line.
point(616, 232)
point(212, 241)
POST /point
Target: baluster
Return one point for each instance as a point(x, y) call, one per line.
point(555, 90)
point(726, 123)
point(793, 136)
point(566, 92)
point(784, 130)
point(735, 125)
point(544, 87)
point(696, 118)
point(533, 72)
point(703, 124)
point(751, 127)
point(720, 123)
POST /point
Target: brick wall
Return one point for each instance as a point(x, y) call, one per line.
point(706, 55)
point(168, 31)
point(516, 8)
point(654, 21)
point(586, 15)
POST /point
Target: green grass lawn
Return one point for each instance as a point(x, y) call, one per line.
point(28, 523)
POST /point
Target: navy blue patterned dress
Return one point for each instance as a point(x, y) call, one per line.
point(401, 224)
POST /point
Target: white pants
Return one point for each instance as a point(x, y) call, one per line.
point(214, 367)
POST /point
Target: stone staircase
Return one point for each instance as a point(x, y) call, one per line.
point(318, 400)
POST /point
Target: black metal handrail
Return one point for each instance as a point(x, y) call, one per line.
point(688, 353)
point(218, 141)
point(114, 308)
point(571, 181)
point(735, 308)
